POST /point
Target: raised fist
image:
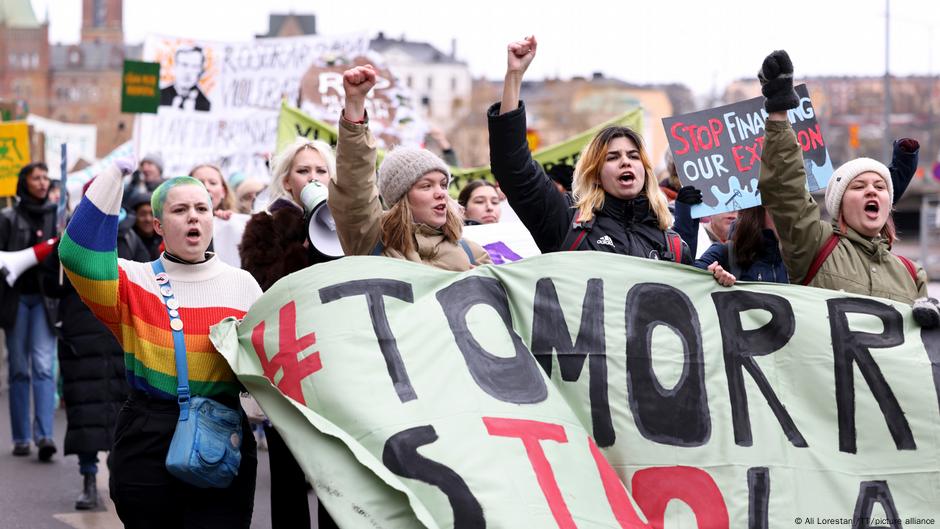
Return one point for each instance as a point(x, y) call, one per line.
point(358, 81)
point(520, 54)
point(776, 82)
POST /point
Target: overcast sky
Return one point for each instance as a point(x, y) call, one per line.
point(701, 43)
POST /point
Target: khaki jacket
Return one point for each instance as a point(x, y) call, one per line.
point(354, 203)
point(857, 265)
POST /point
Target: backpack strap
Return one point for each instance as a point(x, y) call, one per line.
point(820, 258)
point(379, 248)
point(468, 251)
point(577, 233)
point(674, 246)
point(911, 268)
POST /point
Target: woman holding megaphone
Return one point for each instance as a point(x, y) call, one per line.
point(275, 244)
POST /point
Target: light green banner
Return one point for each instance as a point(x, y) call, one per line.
point(292, 123)
point(415, 394)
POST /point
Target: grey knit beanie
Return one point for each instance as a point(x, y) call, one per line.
point(402, 167)
point(154, 158)
point(842, 176)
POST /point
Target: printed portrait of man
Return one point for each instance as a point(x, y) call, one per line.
point(185, 93)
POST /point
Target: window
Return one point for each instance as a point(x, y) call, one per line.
point(409, 82)
point(453, 84)
point(99, 13)
point(34, 59)
point(430, 82)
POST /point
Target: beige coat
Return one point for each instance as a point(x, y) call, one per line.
point(858, 265)
point(354, 203)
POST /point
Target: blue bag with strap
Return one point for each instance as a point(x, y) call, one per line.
point(206, 446)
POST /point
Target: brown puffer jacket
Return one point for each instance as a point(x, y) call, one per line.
point(354, 203)
point(858, 265)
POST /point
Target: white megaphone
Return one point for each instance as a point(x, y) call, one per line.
point(321, 228)
point(13, 264)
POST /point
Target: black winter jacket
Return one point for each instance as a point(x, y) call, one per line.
point(626, 227)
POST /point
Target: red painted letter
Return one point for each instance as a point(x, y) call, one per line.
point(531, 432)
point(654, 487)
point(616, 494)
point(289, 346)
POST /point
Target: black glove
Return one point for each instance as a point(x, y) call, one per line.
point(689, 195)
point(908, 145)
point(926, 313)
point(776, 82)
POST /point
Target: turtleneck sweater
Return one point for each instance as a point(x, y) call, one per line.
point(126, 297)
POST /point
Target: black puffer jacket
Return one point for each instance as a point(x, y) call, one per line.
point(627, 227)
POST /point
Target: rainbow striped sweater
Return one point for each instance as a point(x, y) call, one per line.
point(125, 296)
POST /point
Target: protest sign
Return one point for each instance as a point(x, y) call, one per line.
point(506, 242)
point(718, 151)
point(416, 397)
point(82, 140)
point(236, 89)
point(140, 87)
point(14, 154)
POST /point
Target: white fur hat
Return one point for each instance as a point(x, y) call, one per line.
point(846, 173)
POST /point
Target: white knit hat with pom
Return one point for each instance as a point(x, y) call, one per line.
point(842, 176)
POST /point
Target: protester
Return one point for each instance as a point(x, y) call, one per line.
point(223, 201)
point(245, 195)
point(616, 200)
point(29, 338)
point(126, 296)
point(858, 198)
point(274, 245)
point(422, 224)
point(669, 178)
point(448, 154)
point(139, 205)
point(91, 362)
point(147, 177)
point(480, 202)
point(700, 235)
point(752, 251)
point(562, 175)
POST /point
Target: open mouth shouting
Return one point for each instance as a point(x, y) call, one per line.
point(872, 209)
point(193, 235)
point(627, 178)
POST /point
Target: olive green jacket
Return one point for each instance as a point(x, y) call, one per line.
point(857, 265)
point(354, 204)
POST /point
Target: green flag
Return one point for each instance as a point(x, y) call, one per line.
point(292, 123)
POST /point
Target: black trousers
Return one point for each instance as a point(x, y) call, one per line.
point(147, 496)
point(289, 507)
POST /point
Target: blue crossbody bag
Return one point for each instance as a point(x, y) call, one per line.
point(206, 446)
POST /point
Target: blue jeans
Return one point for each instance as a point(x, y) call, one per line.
point(31, 347)
point(88, 463)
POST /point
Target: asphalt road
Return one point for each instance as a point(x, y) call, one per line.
point(35, 495)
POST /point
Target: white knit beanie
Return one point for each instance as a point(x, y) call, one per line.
point(402, 167)
point(846, 173)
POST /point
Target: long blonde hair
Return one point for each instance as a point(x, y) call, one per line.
point(398, 226)
point(284, 160)
point(586, 186)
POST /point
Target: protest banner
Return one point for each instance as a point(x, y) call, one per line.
point(506, 242)
point(400, 388)
point(140, 87)
point(219, 101)
point(718, 151)
point(14, 154)
point(82, 140)
point(227, 235)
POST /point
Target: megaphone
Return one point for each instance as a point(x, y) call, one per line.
point(321, 228)
point(13, 264)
